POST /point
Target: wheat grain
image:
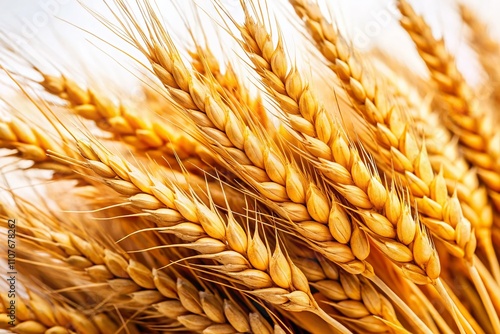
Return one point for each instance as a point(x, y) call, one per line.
point(230, 86)
point(351, 295)
point(31, 143)
point(155, 137)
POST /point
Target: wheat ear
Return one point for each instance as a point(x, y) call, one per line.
point(36, 315)
point(352, 295)
point(230, 85)
point(137, 130)
point(487, 49)
point(366, 192)
point(381, 210)
point(395, 144)
point(473, 127)
point(31, 143)
point(176, 299)
point(444, 155)
point(260, 162)
point(245, 259)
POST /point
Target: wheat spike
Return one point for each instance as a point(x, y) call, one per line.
point(154, 137)
point(352, 295)
point(184, 215)
point(472, 126)
point(339, 162)
point(261, 162)
point(178, 299)
point(445, 156)
point(260, 173)
point(34, 314)
point(396, 145)
point(487, 49)
point(31, 143)
point(230, 85)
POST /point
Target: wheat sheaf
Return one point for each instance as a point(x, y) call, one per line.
point(264, 174)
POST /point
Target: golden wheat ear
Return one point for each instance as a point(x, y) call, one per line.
point(39, 313)
point(334, 199)
point(487, 49)
point(146, 134)
point(472, 126)
point(183, 214)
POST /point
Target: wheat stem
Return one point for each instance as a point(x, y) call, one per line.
point(435, 314)
point(489, 281)
point(401, 304)
point(460, 321)
point(332, 322)
point(485, 297)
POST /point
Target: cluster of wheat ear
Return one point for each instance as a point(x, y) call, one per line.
point(247, 188)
